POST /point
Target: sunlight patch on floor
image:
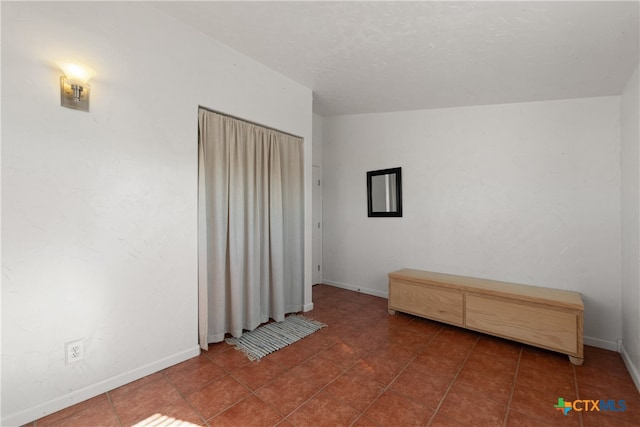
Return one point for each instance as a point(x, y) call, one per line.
point(159, 420)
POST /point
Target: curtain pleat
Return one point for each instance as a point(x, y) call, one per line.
point(251, 207)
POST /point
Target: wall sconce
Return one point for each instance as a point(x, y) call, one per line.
point(74, 89)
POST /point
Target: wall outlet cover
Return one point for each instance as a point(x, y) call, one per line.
point(74, 351)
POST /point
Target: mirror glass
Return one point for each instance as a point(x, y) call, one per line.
point(384, 191)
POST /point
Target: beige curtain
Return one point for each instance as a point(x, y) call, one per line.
point(250, 220)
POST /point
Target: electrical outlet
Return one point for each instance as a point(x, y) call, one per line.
point(74, 351)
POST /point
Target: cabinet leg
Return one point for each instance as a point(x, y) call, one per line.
point(578, 361)
point(392, 312)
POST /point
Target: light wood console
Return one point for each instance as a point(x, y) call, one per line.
point(542, 317)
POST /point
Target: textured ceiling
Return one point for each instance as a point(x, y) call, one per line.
point(362, 57)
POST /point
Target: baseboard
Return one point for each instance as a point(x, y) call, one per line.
point(357, 289)
point(307, 307)
point(633, 369)
point(39, 411)
point(600, 343)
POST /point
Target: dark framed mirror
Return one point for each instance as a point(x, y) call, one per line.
point(384, 192)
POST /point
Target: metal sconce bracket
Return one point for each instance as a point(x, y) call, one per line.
point(74, 95)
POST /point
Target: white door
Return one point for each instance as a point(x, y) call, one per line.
point(317, 225)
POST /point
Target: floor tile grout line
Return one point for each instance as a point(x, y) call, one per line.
point(285, 417)
point(433, 337)
point(237, 402)
point(415, 356)
point(114, 408)
point(360, 413)
point(175, 387)
point(575, 379)
point(453, 381)
point(331, 382)
point(513, 389)
point(254, 394)
point(388, 386)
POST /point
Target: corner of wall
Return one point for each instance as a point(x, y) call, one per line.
point(630, 224)
point(633, 370)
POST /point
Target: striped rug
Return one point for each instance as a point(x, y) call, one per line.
point(273, 336)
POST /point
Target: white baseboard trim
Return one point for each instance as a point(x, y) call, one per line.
point(600, 343)
point(93, 390)
point(307, 307)
point(633, 369)
point(357, 289)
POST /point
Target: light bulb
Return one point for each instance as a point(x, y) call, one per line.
point(76, 72)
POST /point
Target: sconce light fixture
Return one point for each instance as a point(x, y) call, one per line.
point(74, 89)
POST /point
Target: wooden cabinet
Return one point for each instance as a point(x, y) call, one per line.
point(446, 305)
point(543, 317)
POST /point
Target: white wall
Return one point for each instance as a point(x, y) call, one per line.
point(630, 161)
point(99, 208)
point(526, 193)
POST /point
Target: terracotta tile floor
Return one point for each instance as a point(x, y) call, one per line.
point(370, 369)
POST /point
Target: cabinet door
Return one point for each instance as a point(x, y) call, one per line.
point(427, 301)
point(544, 326)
